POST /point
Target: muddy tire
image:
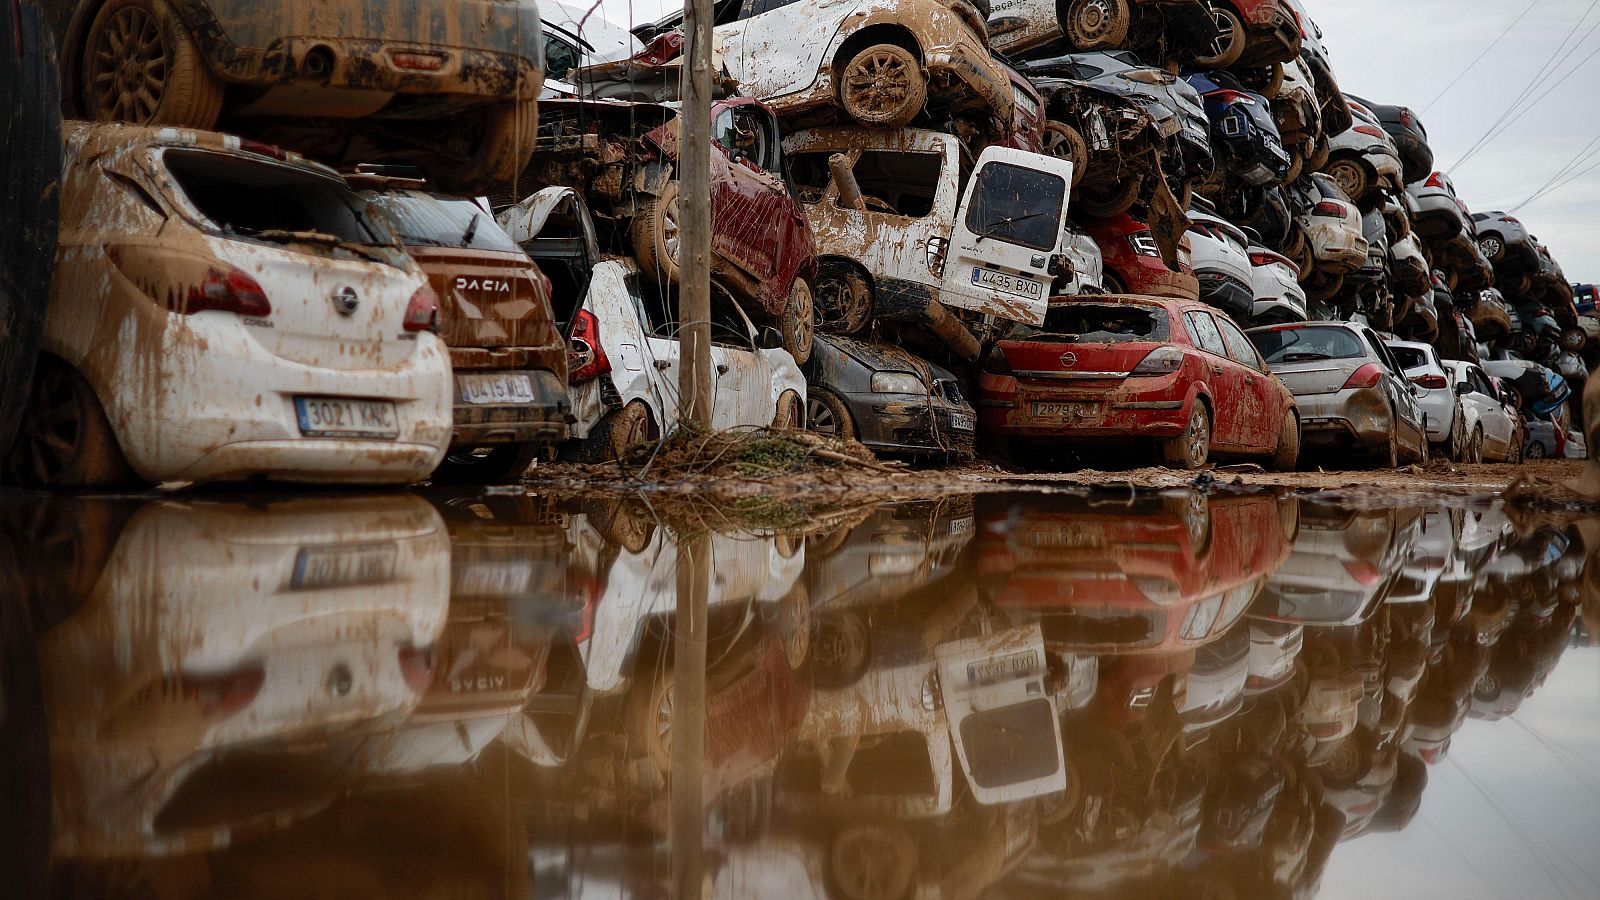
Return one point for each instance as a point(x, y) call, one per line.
point(1349, 763)
point(1095, 24)
point(1229, 45)
point(791, 413)
point(1299, 250)
point(1062, 141)
point(501, 464)
point(65, 439)
point(1351, 177)
point(1191, 449)
point(1493, 246)
point(1267, 81)
point(841, 648)
point(1058, 806)
point(1287, 456)
point(1536, 450)
point(1323, 287)
point(140, 65)
point(509, 132)
point(826, 413)
point(656, 235)
point(883, 85)
point(648, 718)
point(1319, 154)
point(1475, 447)
point(1114, 200)
point(616, 431)
point(1297, 167)
point(1514, 454)
point(1387, 454)
point(798, 324)
point(871, 861)
point(841, 300)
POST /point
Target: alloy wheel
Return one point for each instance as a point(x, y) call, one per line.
point(821, 416)
point(879, 82)
point(127, 67)
point(54, 425)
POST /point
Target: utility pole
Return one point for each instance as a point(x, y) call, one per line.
point(694, 216)
point(686, 784)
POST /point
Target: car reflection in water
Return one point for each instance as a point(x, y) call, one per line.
point(1008, 695)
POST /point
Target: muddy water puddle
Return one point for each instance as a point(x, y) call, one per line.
point(1234, 694)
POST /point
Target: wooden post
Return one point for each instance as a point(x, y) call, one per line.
point(694, 212)
point(686, 786)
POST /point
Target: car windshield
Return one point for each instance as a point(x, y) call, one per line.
point(1302, 344)
point(1093, 323)
point(425, 220)
point(1017, 205)
point(265, 199)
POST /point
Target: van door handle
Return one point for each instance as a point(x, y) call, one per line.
point(722, 369)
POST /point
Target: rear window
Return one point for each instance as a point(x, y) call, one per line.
point(257, 198)
point(424, 220)
point(1094, 323)
point(1012, 744)
point(1017, 205)
point(1303, 344)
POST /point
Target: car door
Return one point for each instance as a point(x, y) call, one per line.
point(778, 46)
point(1413, 426)
point(1222, 375)
point(746, 200)
point(663, 354)
point(1497, 425)
point(1009, 227)
point(1260, 415)
point(741, 395)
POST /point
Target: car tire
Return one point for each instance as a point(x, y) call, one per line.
point(1103, 203)
point(1191, 449)
point(1514, 452)
point(1287, 457)
point(1299, 250)
point(189, 94)
point(1230, 42)
point(798, 324)
point(1266, 80)
point(617, 431)
point(65, 439)
point(1457, 448)
point(1493, 246)
point(500, 464)
point(1475, 447)
point(649, 716)
point(841, 648)
point(509, 133)
point(1095, 24)
point(1322, 287)
point(1536, 450)
point(1387, 455)
point(883, 85)
point(841, 299)
point(1319, 154)
point(1062, 141)
point(1297, 166)
point(826, 413)
point(1113, 282)
point(872, 861)
point(1351, 177)
point(656, 234)
point(791, 413)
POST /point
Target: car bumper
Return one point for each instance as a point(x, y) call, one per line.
point(544, 419)
point(1359, 414)
point(972, 65)
point(1160, 282)
point(1278, 310)
point(1226, 292)
point(1440, 409)
point(910, 424)
point(1142, 407)
point(1339, 250)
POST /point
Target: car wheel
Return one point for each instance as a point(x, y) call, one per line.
point(826, 413)
point(883, 85)
point(841, 647)
point(486, 465)
point(649, 718)
point(1111, 200)
point(868, 861)
point(1297, 165)
point(65, 439)
point(1322, 287)
point(1536, 450)
point(1266, 80)
point(617, 431)
point(1062, 141)
point(1514, 452)
point(1350, 761)
point(1287, 456)
point(1458, 439)
point(656, 235)
point(509, 133)
point(1299, 250)
point(1319, 154)
point(1192, 448)
point(799, 324)
point(1228, 47)
point(1351, 177)
point(141, 66)
point(841, 300)
point(1573, 339)
point(1492, 247)
point(1387, 455)
point(790, 414)
point(1475, 446)
point(1113, 282)
point(1095, 24)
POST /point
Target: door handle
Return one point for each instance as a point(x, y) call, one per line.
point(722, 369)
point(663, 363)
point(1216, 370)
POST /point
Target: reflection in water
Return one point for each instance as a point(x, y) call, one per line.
point(1008, 695)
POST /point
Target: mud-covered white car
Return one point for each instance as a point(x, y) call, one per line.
point(626, 356)
point(223, 310)
point(1363, 157)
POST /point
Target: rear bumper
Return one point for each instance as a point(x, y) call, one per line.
point(1142, 407)
point(1359, 414)
point(544, 420)
point(1226, 292)
point(910, 424)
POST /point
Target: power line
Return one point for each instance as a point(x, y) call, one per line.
point(1479, 58)
point(1563, 184)
point(1578, 159)
point(1501, 129)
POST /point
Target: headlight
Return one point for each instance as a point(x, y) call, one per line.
point(897, 383)
point(893, 564)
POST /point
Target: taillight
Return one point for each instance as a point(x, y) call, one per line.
point(1369, 131)
point(1329, 208)
point(263, 149)
point(936, 251)
point(422, 313)
point(225, 694)
point(416, 666)
point(1510, 219)
point(996, 363)
point(586, 359)
point(1144, 244)
point(1367, 376)
point(228, 290)
point(1436, 180)
point(1431, 382)
point(1231, 97)
point(1160, 361)
point(421, 62)
point(1266, 259)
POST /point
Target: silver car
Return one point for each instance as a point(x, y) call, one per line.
point(1349, 387)
point(1363, 158)
point(1439, 402)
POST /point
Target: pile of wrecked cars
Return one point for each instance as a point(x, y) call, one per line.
point(446, 245)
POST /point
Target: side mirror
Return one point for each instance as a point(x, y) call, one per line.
point(770, 338)
point(1463, 388)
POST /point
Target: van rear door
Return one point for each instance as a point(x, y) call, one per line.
point(1009, 226)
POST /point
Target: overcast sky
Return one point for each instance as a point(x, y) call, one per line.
point(1408, 51)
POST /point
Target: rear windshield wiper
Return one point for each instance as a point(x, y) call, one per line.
point(320, 238)
point(1003, 223)
point(1303, 356)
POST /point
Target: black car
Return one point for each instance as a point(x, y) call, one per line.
point(1403, 125)
point(887, 399)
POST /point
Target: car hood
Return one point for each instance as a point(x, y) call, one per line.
point(884, 358)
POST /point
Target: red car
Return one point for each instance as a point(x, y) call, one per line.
point(1124, 369)
point(1260, 32)
point(1133, 262)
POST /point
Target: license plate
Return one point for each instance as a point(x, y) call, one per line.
point(1064, 410)
point(338, 417)
point(343, 565)
point(1002, 667)
point(1015, 285)
point(962, 422)
point(488, 579)
point(494, 388)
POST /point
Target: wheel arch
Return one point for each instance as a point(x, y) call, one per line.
point(879, 33)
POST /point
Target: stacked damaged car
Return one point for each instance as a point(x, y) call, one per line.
point(448, 245)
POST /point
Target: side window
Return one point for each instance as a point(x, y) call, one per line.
point(560, 57)
point(1205, 333)
point(729, 327)
point(660, 316)
point(810, 173)
point(1381, 352)
point(1240, 350)
point(757, 7)
point(743, 133)
point(896, 182)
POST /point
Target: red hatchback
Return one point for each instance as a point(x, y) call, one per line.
point(1133, 261)
point(1124, 369)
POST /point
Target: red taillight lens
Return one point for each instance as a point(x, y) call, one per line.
point(1431, 382)
point(422, 313)
point(416, 666)
point(1160, 361)
point(586, 359)
point(228, 290)
point(1369, 131)
point(1367, 376)
point(263, 149)
point(225, 694)
point(996, 363)
point(1329, 208)
point(1226, 96)
point(1436, 180)
point(421, 62)
point(1510, 219)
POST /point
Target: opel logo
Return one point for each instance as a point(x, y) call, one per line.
point(1069, 359)
point(345, 300)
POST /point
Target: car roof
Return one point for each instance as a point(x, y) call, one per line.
point(96, 138)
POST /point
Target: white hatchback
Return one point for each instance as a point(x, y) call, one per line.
point(1439, 404)
point(626, 357)
point(1483, 413)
